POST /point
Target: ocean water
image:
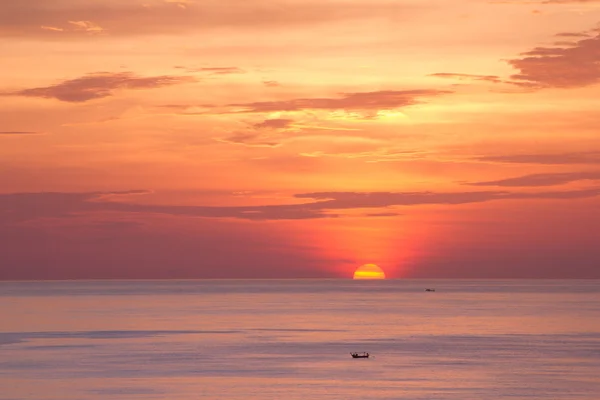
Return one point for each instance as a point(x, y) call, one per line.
point(291, 339)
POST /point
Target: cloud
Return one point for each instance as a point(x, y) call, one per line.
point(487, 78)
point(385, 99)
point(377, 154)
point(220, 70)
point(369, 103)
point(268, 133)
point(75, 27)
point(52, 28)
point(213, 70)
point(183, 4)
point(346, 200)
point(87, 26)
point(383, 214)
point(20, 207)
point(567, 1)
point(563, 65)
point(591, 157)
point(26, 206)
point(248, 139)
point(560, 66)
point(556, 2)
point(257, 138)
point(19, 133)
point(535, 180)
point(98, 85)
point(276, 123)
point(150, 17)
point(271, 83)
point(572, 34)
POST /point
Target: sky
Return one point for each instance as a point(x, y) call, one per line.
point(299, 138)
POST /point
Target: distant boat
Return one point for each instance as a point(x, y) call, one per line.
point(430, 290)
point(360, 355)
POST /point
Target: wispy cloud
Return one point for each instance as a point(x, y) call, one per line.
point(591, 157)
point(573, 34)
point(70, 27)
point(267, 133)
point(536, 180)
point(213, 70)
point(564, 65)
point(250, 139)
point(21, 207)
point(183, 4)
point(220, 70)
point(98, 85)
point(275, 123)
point(378, 154)
point(52, 28)
point(383, 214)
point(19, 133)
point(385, 99)
point(125, 18)
point(557, 2)
point(576, 65)
point(364, 105)
point(271, 83)
point(486, 78)
point(87, 27)
point(346, 200)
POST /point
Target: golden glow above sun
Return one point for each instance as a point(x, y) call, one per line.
point(369, 271)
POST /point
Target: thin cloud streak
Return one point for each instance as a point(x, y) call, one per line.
point(486, 78)
point(385, 99)
point(213, 70)
point(591, 157)
point(551, 2)
point(16, 133)
point(537, 180)
point(275, 123)
point(98, 85)
point(19, 207)
point(249, 139)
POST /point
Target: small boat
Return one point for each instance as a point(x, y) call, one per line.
point(430, 290)
point(360, 355)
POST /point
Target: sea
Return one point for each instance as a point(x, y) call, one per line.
point(292, 339)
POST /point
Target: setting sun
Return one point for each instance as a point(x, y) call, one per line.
point(369, 271)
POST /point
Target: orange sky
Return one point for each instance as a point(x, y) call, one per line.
point(299, 138)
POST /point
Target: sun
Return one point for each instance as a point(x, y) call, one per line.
point(369, 271)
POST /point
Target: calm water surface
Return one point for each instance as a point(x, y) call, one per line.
point(272, 339)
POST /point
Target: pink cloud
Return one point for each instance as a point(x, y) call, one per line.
point(249, 139)
point(591, 157)
point(559, 67)
point(573, 34)
point(487, 78)
point(98, 85)
point(548, 179)
point(275, 123)
point(385, 99)
point(219, 70)
point(557, 2)
point(17, 133)
point(31, 206)
point(271, 83)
